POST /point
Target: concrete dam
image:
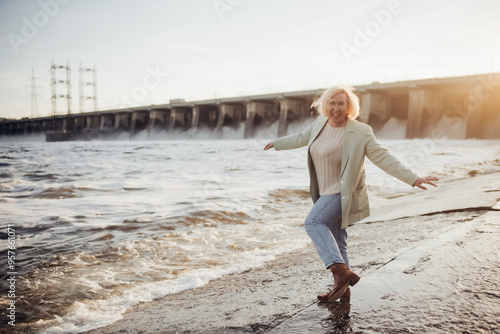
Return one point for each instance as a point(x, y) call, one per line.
point(455, 107)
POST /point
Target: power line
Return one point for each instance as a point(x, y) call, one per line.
point(54, 69)
point(34, 100)
point(83, 82)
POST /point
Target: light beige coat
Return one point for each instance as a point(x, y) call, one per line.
point(359, 141)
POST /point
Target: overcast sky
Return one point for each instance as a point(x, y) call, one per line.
point(150, 51)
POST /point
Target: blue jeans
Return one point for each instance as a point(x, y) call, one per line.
point(324, 226)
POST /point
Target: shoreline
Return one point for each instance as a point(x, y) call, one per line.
point(395, 252)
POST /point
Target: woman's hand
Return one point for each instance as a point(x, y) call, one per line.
point(269, 146)
point(426, 179)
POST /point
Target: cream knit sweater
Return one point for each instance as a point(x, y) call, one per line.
point(326, 153)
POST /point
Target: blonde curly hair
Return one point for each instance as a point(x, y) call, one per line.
point(352, 100)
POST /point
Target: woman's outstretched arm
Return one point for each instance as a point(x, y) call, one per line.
point(295, 140)
point(381, 157)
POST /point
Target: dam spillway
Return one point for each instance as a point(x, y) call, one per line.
point(430, 108)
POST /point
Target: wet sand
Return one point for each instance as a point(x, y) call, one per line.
point(429, 262)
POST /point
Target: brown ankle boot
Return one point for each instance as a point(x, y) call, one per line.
point(346, 297)
point(343, 277)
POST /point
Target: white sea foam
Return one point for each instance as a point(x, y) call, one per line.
point(84, 316)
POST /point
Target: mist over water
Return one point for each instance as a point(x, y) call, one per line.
point(103, 225)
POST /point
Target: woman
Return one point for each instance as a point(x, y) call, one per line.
point(337, 146)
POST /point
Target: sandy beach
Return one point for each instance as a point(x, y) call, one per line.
point(429, 262)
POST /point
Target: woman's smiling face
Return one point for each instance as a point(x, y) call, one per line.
point(337, 109)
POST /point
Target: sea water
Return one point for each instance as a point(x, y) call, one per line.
point(101, 226)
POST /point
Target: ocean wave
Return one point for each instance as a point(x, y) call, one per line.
point(86, 315)
point(39, 175)
point(56, 193)
point(163, 263)
point(289, 194)
point(213, 217)
point(94, 188)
